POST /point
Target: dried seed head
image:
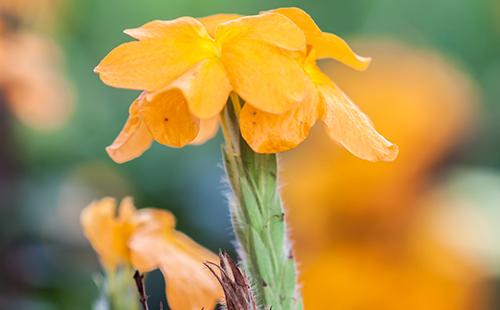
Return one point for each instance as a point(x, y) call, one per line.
point(236, 288)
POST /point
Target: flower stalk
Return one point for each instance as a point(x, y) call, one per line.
point(258, 217)
point(117, 291)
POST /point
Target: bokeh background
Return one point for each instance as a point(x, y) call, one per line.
point(420, 233)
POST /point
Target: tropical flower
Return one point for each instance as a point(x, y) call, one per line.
point(187, 68)
point(344, 121)
point(187, 74)
point(146, 239)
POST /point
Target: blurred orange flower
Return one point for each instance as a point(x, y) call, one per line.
point(31, 80)
point(421, 274)
point(146, 239)
point(188, 67)
point(34, 88)
point(39, 13)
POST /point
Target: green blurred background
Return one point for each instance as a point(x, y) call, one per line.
point(48, 177)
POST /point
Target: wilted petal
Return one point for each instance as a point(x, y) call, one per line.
point(346, 124)
point(104, 232)
point(189, 285)
point(126, 210)
point(133, 140)
point(274, 29)
point(167, 116)
point(272, 133)
point(206, 88)
point(213, 21)
point(264, 76)
point(150, 224)
point(208, 130)
point(166, 52)
point(181, 296)
point(327, 45)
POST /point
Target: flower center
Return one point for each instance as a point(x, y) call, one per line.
point(212, 47)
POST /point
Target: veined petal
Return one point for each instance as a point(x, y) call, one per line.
point(206, 88)
point(168, 29)
point(274, 29)
point(264, 76)
point(272, 133)
point(133, 140)
point(168, 118)
point(346, 124)
point(152, 64)
point(208, 130)
point(189, 285)
point(327, 45)
point(213, 21)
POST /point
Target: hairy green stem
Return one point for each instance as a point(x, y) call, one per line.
point(259, 218)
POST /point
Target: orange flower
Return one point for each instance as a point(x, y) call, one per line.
point(344, 122)
point(187, 71)
point(31, 81)
point(187, 68)
point(147, 239)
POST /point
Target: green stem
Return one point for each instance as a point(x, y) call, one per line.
point(259, 218)
point(117, 291)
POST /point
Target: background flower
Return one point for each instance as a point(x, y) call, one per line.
point(146, 240)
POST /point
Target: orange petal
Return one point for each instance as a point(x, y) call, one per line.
point(127, 210)
point(154, 219)
point(206, 88)
point(103, 231)
point(169, 120)
point(208, 291)
point(327, 45)
point(271, 133)
point(150, 224)
point(346, 124)
point(274, 29)
point(264, 76)
point(213, 21)
point(167, 29)
point(153, 63)
point(208, 130)
point(189, 285)
point(133, 140)
point(332, 46)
